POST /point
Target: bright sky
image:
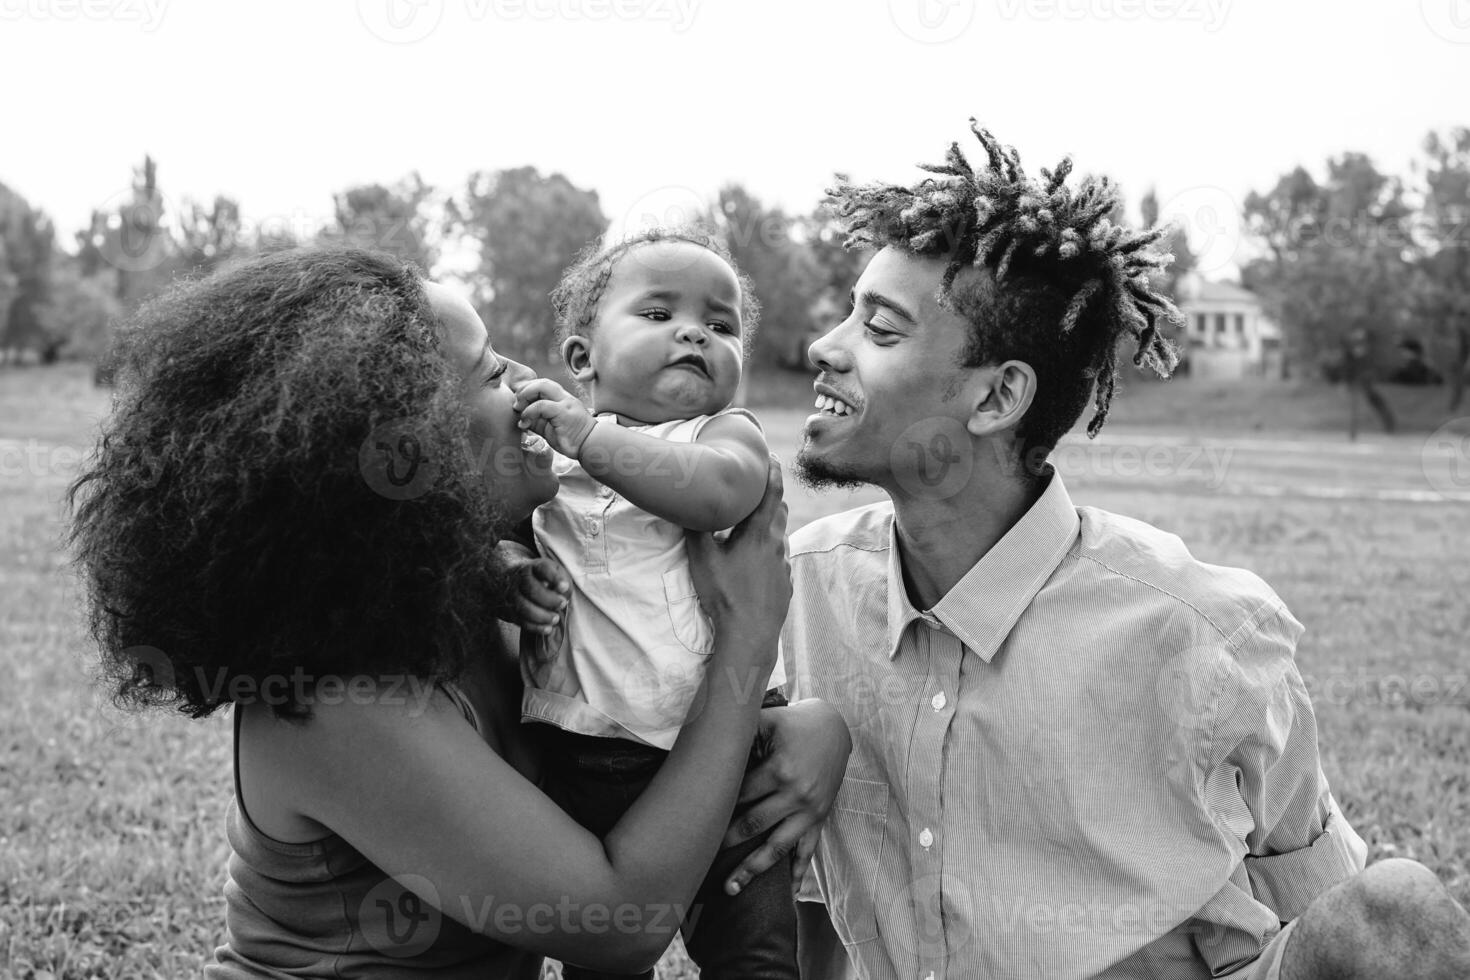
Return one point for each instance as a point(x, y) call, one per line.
point(650, 102)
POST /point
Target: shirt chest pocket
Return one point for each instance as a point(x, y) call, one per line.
point(852, 853)
point(686, 619)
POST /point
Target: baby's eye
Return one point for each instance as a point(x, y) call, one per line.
point(656, 313)
point(721, 326)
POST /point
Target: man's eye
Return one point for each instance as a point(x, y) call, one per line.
point(876, 328)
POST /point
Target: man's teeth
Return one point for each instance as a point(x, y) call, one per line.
point(826, 403)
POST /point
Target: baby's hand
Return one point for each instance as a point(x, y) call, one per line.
point(541, 594)
point(554, 414)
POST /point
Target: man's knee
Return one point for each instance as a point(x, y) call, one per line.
point(1392, 914)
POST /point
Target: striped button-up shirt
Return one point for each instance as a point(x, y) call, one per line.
point(1093, 757)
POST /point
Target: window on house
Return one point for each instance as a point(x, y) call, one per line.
point(1220, 324)
point(1199, 324)
point(1240, 324)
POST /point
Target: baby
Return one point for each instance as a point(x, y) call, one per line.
point(655, 329)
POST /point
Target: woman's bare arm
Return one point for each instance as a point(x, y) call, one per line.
point(419, 793)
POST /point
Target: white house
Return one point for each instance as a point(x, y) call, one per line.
point(1226, 334)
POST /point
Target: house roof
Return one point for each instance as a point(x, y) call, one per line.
point(1221, 292)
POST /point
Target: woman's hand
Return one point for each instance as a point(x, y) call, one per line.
point(744, 582)
point(803, 751)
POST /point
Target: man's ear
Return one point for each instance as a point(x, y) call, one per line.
point(576, 351)
point(1004, 393)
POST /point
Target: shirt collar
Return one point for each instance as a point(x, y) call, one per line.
point(985, 604)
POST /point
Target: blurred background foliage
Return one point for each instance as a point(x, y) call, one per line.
point(1353, 263)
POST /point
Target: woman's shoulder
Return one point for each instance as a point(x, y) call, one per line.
point(353, 727)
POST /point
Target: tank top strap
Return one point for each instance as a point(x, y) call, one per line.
point(462, 702)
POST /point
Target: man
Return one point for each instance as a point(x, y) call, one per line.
point(1077, 751)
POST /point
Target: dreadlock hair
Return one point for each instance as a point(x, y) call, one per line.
point(576, 298)
point(1064, 285)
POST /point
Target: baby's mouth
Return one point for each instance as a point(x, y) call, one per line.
point(693, 360)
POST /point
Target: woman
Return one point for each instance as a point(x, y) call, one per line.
point(293, 510)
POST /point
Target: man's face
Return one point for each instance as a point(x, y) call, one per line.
point(894, 366)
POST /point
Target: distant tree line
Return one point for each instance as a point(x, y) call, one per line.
point(1357, 266)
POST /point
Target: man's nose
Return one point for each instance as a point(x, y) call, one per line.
point(825, 353)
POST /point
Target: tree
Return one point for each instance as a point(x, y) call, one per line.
point(782, 273)
point(26, 248)
point(390, 219)
point(1444, 257)
point(209, 236)
point(528, 229)
point(1337, 273)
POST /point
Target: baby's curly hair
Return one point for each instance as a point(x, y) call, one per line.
point(575, 299)
point(1064, 284)
point(224, 527)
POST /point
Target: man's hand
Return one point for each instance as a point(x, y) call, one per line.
point(803, 750)
point(554, 414)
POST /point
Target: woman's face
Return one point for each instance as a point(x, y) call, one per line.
point(516, 465)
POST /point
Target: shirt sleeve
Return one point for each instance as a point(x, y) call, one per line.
point(1265, 787)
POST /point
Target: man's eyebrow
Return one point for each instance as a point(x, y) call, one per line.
point(873, 298)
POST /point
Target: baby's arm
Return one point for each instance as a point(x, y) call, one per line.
point(706, 485)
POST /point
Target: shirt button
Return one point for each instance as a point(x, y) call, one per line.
point(594, 529)
point(926, 837)
point(938, 701)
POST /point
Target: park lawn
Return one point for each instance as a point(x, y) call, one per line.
point(111, 844)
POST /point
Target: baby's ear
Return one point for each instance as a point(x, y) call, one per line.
point(576, 351)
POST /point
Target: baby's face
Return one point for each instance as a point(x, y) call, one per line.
point(667, 340)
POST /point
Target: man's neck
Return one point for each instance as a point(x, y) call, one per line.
point(939, 541)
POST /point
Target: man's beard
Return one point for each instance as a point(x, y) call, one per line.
point(818, 474)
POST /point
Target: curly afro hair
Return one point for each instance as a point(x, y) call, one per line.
point(225, 529)
point(575, 299)
point(1063, 284)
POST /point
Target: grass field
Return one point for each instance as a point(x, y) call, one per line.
point(111, 843)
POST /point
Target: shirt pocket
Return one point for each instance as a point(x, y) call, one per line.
point(686, 618)
point(853, 852)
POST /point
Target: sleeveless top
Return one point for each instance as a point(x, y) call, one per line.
point(321, 909)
